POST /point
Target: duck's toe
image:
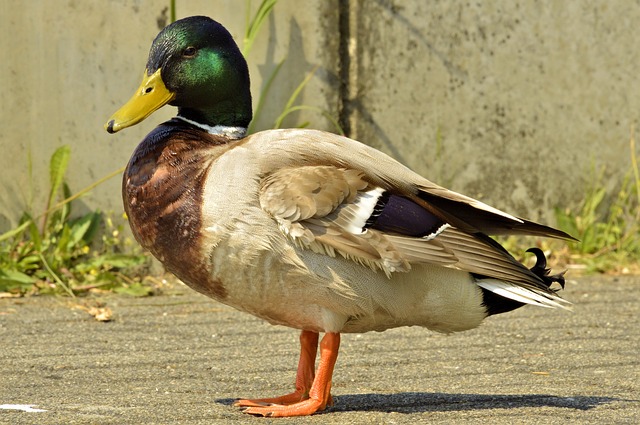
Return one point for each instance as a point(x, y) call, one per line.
point(301, 408)
point(285, 400)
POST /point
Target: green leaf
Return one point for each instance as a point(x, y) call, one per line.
point(29, 262)
point(117, 261)
point(65, 243)
point(96, 219)
point(253, 27)
point(65, 210)
point(35, 236)
point(263, 95)
point(122, 261)
point(14, 232)
point(288, 107)
point(10, 279)
point(135, 289)
point(57, 169)
point(81, 227)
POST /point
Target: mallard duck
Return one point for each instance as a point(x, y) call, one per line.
point(305, 228)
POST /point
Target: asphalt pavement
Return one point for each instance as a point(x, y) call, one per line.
point(180, 358)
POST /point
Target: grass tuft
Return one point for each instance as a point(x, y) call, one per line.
point(66, 255)
point(606, 224)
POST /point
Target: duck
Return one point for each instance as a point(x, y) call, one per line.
point(305, 228)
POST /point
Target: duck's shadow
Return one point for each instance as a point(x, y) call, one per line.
point(412, 402)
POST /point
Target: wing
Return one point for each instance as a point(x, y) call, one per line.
point(325, 209)
point(339, 211)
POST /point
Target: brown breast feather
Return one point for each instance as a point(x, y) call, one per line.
point(163, 196)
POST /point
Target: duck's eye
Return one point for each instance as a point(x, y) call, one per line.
point(189, 52)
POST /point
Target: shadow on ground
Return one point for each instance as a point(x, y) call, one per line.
point(412, 402)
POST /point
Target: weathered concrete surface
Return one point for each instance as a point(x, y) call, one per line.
point(181, 359)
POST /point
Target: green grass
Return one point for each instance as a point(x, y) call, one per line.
point(253, 26)
point(54, 252)
point(606, 224)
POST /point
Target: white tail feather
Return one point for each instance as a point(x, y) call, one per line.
point(523, 295)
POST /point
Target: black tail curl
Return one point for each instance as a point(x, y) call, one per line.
point(496, 304)
point(540, 269)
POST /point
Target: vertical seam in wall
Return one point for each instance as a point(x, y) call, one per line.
point(344, 66)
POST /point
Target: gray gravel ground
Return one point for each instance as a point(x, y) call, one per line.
point(182, 358)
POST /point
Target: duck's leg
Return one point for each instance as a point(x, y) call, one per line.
point(319, 394)
point(304, 377)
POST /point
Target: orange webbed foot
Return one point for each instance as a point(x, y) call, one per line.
point(302, 408)
point(285, 400)
point(313, 393)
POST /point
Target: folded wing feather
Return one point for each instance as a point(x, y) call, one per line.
point(317, 206)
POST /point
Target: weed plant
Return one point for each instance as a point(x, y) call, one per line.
point(606, 224)
point(55, 253)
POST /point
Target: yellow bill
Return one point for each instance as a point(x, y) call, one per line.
point(150, 96)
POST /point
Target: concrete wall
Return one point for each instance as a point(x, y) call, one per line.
point(513, 102)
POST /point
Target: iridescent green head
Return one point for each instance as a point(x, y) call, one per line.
point(194, 64)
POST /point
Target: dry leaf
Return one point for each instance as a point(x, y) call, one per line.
point(99, 311)
point(101, 314)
